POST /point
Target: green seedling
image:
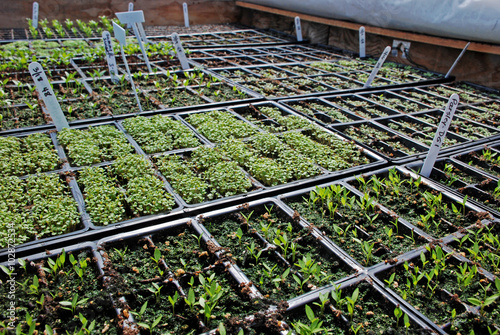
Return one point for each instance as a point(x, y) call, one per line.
point(33, 288)
point(247, 217)
point(337, 297)
point(239, 235)
point(156, 258)
point(198, 238)
point(314, 326)
point(73, 304)
point(150, 326)
point(254, 252)
point(41, 300)
point(190, 300)
point(122, 253)
point(398, 313)
point(156, 290)
point(282, 241)
point(323, 298)
point(390, 280)
point(300, 281)
point(173, 301)
point(280, 279)
point(22, 263)
point(140, 315)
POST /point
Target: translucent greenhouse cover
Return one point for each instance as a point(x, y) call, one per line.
point(472, 20)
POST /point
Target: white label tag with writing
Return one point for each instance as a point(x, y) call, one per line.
point(180, 51)
point(47, 94)
point(186, 14)
point(362, 42)
point(440, 135)
point(35, 15)
point(298, 29)
point(377, 67)
point(110, 56)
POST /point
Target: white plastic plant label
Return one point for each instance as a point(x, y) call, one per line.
point(47, 94)
point(130, 17)
point(35, 15)
point(120, 34)
point(362, 42)
point(298, 29)
point(186, 14)
point(180, 51)
point(377, 67)
point(110, 56)
point(440, 135)
point(135, 19)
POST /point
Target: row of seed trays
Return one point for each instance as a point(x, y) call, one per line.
point(141, 166)
point(55, 29)
point(400, 124)
point(384, 252)
point(276, 55)
point(227, 39)
point(94, 97)
point(304, 72)
point(473, 172)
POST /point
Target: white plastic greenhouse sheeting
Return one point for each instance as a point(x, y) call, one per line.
point(472, 20)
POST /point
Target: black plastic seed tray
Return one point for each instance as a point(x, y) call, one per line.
point(177, 256)
point(361, 230)
point(274, 118)
point(472, 131)
point(201, 186)
point(482, 158)
point(340, 81)
point(275, 235)
point(365, 108)
point(160, 134)
point(391, 145)
point(437, 95)
point(440, 293)
point(237, 38)
point(461, 178)
point(321, 111)
point(422, 132)
point(394, 101)
point(127, 200)
point(77, 268)
point(468, 93)
point(431, 209)
point(97, 100)
point(374, 310)
point(99, 147)
point(48, 206)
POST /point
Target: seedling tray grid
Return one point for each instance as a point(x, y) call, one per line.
point(263, 190)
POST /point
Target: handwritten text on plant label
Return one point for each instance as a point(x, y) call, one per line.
point(47, 94)
point(180, 51)
point(362, 42)
point(377, 67)
point(110, 56)
point(298, 29)
point(35, 15)
point(440, 135)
